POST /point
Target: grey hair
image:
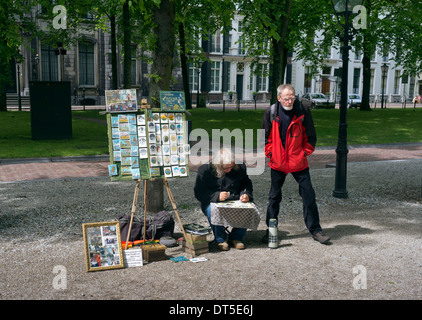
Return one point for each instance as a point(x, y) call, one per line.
point(283, 87)
point(223, 156)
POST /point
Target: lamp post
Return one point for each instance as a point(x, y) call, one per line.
point(199, 75)
point(19, 88)
point(343, 8)
point(384, 70)
point(61, 51)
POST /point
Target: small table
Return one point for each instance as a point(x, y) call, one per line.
point(235, 214)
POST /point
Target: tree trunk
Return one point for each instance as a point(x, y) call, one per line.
point(5, 67)
point(184, 65)
point(163, 54)
point(279, 51)
point(3, 97)
point(279, 67)
point(114, 84)
point(366, 62)
point(127, 50)
point(161, 68)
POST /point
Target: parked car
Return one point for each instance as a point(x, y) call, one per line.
point(317, 100)
point(354, 100)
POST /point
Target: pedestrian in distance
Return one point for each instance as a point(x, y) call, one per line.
point(290, 137)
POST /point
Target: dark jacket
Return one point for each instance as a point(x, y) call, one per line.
point(300, 139)
point(208, 187)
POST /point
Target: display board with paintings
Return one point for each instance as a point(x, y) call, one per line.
point(148, 143)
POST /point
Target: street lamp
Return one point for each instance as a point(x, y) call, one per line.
point(19, 88)
point(343, 8)
point(199, 76)
point(384, 70)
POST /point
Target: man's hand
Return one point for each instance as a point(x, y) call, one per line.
point(223, 195)
point(244, 198)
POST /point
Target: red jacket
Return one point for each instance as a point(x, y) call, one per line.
point(300, 139)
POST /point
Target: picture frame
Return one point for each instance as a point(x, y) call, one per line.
point(173, 101)
point(121, 101)
point(103, 246)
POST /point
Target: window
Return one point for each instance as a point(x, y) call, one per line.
point(326, 70)
point(193, 77)
point(216, 42)
point(86, 63)
point(308, 80)
point(241, 47)
point(239, 26)
point(411, 87)
point(251, 87)
point(215, 76)
point(49, 64)
point(356, 79)
point(371, 82)
point(261, 80)
point(397, 78)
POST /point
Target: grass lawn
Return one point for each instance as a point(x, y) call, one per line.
point(89, 138)
point(379, 126)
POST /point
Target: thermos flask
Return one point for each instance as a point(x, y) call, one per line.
point(272, 234)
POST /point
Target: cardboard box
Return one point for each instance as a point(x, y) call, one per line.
point(153, 252)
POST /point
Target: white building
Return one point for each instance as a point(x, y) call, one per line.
point(326, 81)
point(230, 70)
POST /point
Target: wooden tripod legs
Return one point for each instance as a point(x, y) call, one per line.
point(135, 200)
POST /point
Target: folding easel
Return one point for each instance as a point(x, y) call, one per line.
point(135, 200)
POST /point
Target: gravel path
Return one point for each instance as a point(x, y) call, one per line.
point(375, 252)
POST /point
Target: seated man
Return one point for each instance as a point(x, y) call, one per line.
point(219, 181)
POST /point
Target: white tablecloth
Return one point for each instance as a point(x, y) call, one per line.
point(235, 214)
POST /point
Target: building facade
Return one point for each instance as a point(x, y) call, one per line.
point(387, 78)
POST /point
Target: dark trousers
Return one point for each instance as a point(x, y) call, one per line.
point(306, 191)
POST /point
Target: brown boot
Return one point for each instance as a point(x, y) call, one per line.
point(321, 237)
point(238, 245)
point(223, 246)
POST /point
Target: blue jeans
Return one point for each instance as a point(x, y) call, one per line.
point(220, 234)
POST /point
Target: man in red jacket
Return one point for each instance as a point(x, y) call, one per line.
point(289, 138)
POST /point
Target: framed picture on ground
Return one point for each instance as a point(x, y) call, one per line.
point(103, 246)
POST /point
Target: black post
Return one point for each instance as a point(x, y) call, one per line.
point(83, 97)
point(197, 92)
point(340, 190)
point(19, 89)
point(382, 84)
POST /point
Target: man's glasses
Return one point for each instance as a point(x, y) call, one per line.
point(288, 99)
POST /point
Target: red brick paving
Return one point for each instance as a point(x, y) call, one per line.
point(77, 169)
